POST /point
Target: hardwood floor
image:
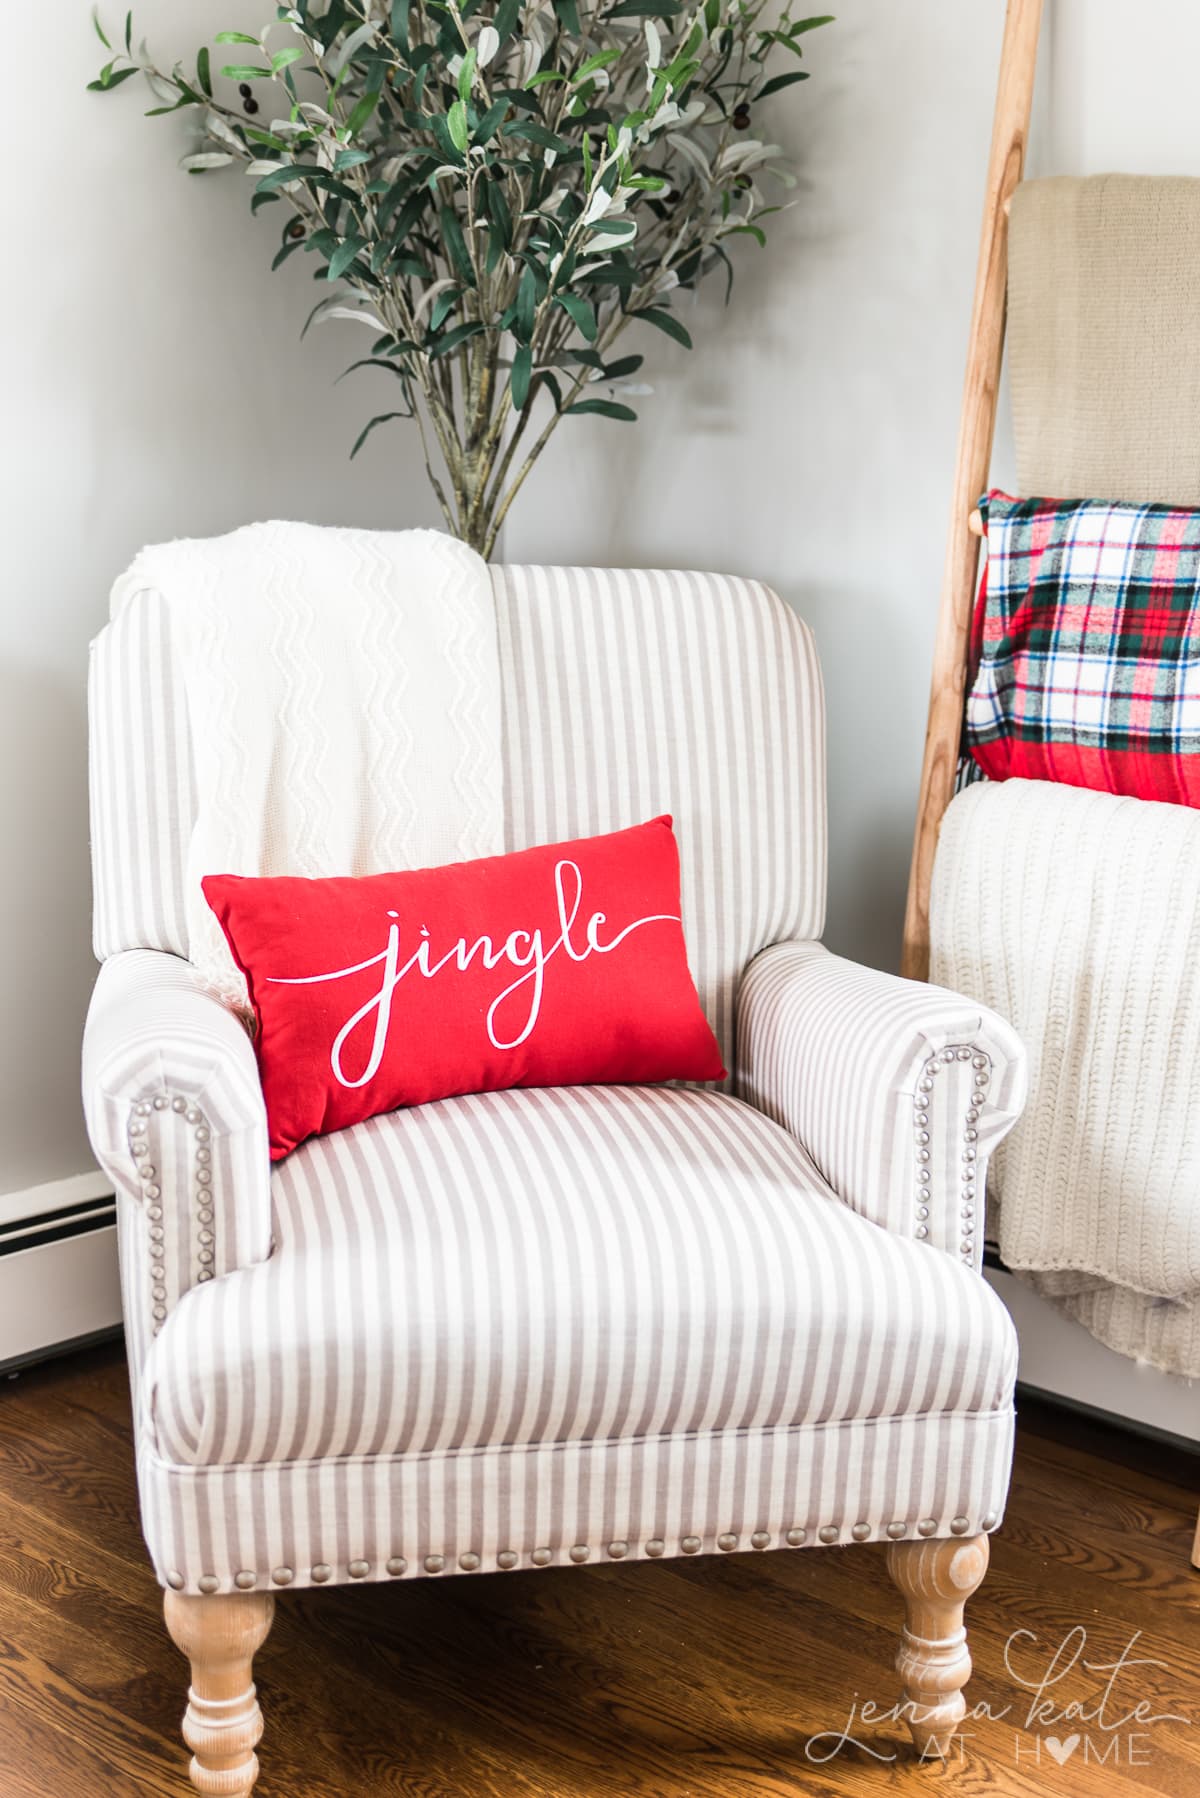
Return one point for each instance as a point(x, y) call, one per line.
point(705, 1679)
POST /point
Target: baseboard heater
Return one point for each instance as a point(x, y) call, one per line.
point(59, 1287)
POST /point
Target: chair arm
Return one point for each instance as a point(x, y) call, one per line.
point(899, 1091)
point(175, 1114)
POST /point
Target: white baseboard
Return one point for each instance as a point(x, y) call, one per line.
point(58, 1265)
point(1058, 1356)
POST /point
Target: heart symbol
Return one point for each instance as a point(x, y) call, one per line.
point(1062, 1751)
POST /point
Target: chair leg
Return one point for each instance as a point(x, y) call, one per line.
point(223, 1723)
point(936, 1578)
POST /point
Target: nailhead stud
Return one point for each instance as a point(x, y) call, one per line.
point(178, 1104)
point(861, 1531)
point(245, 1581)
point(175, 1581)
point(469, 1562)
point(159, 1313)
point(160, 1103)
point(896, 1530)
point(927, 1526)
point(542, 1557)
point(828, 1532)
point(727, 1542)
point(796, 1538)
point(618, 1550)
point(208, 1582)
point(964, 1055)
point(321, 1572)
point(398, 1565)
point(988, 1521)
point(579, 1553)
point(283, 1576)
point(205, 1273)
point(959, 1526)
point(506, 1559)
point(761, 1539)
point(691, 1545)
point(358, 1569)
point(434, 1563)
point(922, 1230)
point(981, 1061)
point(655, 1546)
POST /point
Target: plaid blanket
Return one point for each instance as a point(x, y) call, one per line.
point(1086, 647)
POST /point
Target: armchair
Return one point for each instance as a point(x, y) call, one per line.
point(549, 1327)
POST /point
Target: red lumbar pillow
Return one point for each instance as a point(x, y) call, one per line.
point(559, 966)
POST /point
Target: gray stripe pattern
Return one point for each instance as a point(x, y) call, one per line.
point(628, 694)
point(176, 1118)
point(582, 1276)
point(390, 1517)
point(898, 1090)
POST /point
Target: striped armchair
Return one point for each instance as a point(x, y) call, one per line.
point(548, 1328)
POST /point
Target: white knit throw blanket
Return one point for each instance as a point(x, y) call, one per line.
point(343, 693)
point(1077, 916)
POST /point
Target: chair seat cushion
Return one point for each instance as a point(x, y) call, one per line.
point(562, 1265)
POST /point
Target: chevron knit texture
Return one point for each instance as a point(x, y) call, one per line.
point(1077, 916)
point(343, 693)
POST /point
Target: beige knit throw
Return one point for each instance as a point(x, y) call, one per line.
point(1076, 915)
point(1104, 337)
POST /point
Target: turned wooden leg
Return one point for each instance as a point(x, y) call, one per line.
point(936, 1578)
point(222, 1723)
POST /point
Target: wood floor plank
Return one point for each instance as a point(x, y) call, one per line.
point(728, 1677)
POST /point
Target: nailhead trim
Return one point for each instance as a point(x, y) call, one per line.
point(922, 1108)
point(245, 1580)
point(140, 1112)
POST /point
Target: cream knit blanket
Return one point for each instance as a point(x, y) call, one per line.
point(1077, 916)
point(343, 694)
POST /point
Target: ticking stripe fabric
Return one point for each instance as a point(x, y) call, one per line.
point(631, 694)
point(175, 1114)
point(1087, 647)
point(582, 1281)
point(624, 695)
point(898, 1090)
point(1078, 914)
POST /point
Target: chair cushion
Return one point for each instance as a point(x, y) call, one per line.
point(561, 1265)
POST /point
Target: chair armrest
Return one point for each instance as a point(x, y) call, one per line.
point(175, 1114)
point(899, 1091)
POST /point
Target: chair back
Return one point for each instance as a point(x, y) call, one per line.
point(625, 695)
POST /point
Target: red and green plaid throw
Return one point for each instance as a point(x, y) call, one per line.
point(1086, 647)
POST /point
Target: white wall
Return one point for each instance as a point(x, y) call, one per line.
point(154, 386)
